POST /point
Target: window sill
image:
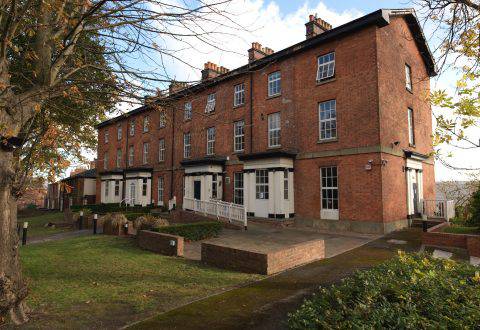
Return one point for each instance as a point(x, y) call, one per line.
point(409, 90)
point(327, 141)
point(187, 120)
point(239, 152)
point(239, 106)
point(274, 96)
point(411, 145)
point(326, 81)
point(274, 147)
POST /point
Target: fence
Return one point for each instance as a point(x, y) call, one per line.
point(439, 209)
point(220, 209)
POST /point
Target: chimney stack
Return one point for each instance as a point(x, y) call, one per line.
point(211, 70)
point(316, 26)
point(176, 86)
point(257, 52)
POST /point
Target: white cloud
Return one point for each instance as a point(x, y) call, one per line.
point(260, 21)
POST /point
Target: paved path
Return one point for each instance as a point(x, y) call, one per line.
point(64, 235)
point(266, 304)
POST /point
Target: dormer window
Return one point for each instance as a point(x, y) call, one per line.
point(210, 103)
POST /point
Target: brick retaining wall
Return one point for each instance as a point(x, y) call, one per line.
point(268, 262)
point(160, 243)
point(435, 237)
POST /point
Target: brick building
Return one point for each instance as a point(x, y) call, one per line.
point(334, 131)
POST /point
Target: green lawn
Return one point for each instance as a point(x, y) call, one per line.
point(104, 281)
point(36, 224)
point(457, 229)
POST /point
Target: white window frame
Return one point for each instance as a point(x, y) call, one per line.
point(146, 150)
point(239, 136)
point(162, 121)
point(160, 190)
point(105, 137)
point(214, 186)
point(118, 160)
point(106, 188)
point(408, 77)
point(187, 145)
point(238, 188)
point(261, 184)
point(239, 95)
point(119, 132)
point(326, 66)
point(274, 130)
point(131, 155)
point(274, 83)
point(187, 111)
point(132, 127)
point(211, 140)
point(161, 150)
point(117, 188)
point(411, 127)
point(329, 194)
point(327, 120)
point(210, 106)
point(146, 124)
point(286, 194)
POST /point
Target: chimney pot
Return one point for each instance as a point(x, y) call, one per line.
point(257, 52)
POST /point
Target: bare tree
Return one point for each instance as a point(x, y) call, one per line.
point(456, 35)
point(63, 65)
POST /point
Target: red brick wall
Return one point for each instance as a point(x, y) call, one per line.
point(160, 243)
point(372, 102)
point(267, 262)
point(473, 246)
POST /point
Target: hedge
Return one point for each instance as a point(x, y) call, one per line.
point(112, 207)
point(411, 291)
point(193, 231)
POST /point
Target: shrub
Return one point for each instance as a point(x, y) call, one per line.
point(112, 207)
point(407, 292)
point(474, 208)
point(149, 222)
point(193, 231)
point(113, 222)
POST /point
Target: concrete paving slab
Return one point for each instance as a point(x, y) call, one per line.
point(439, 254)
point(475, 261)
point(267, 238)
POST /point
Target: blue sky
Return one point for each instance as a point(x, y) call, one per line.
point(340, 5)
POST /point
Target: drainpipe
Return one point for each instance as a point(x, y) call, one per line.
point(173, 153)
point(251, 112)
point(124, 184)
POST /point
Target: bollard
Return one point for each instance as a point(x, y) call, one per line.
point(80, 221)
point(424, 226)
point(125, 229)
point(24, 237)
point(95, 218)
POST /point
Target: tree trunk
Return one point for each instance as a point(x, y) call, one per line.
point(13, 289)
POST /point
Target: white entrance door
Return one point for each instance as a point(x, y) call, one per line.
point(329, 193)
point(132, 193)
point(262, 193)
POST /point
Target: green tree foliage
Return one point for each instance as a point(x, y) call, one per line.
point(457, 26)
